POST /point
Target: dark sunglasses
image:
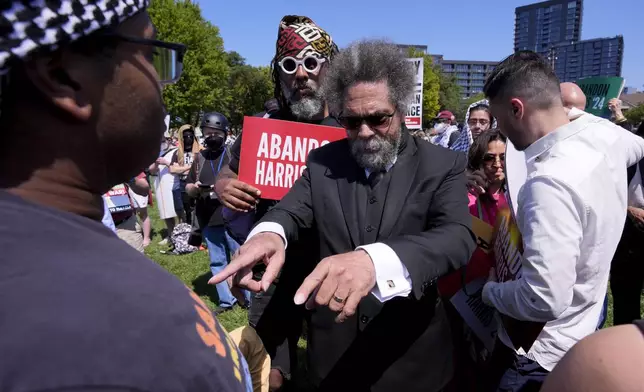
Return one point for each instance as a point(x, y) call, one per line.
point(167, 57)
point(491, 158)
point(375, 121)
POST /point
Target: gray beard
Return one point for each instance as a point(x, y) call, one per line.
point(307, 108)
point(376, 153)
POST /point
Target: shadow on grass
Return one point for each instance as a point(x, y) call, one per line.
point(202, 288)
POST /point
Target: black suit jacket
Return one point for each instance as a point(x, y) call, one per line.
point(403, 344)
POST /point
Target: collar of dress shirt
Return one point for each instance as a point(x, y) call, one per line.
point(547, 142)
point(367, 172)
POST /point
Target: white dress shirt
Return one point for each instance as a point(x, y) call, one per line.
point(392, 277)
point(571, 214)
point(635, 192)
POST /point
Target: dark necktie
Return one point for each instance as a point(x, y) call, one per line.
point(374, 178)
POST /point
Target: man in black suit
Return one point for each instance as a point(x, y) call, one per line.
point(391, 217)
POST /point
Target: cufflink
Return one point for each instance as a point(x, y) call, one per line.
point(391, 284)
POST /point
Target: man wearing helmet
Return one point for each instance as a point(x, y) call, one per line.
point(200, 185)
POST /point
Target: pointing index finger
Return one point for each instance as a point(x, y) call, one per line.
point(247, 258)
point(311, 282)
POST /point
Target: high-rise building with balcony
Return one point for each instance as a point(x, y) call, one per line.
point(537, 27)
point(582, 59)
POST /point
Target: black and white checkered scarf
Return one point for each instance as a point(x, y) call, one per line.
point(27, 26)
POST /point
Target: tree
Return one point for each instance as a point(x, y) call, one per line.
point(449, 95)
point(431, 85)
point(203, 85)
point(249, 88)
point(635, 115)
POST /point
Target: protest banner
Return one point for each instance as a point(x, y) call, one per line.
point(117, 199)
point(273, 152)
point(599, 91)
point(467, 300)
point(414, 117)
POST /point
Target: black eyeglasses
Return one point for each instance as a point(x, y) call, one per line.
point(167, 58)
point(375, 121)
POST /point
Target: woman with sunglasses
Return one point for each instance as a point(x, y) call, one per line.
point(486, 160)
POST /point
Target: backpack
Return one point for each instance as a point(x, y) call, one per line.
point(180, 239)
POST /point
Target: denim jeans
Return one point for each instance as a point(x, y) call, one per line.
point(220, 247)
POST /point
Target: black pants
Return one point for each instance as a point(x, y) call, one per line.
point(627, 275)
point(510, 372)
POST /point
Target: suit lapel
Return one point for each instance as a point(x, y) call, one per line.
point(402, 177)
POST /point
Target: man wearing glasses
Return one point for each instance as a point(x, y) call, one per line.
point(303, 53)
point(390, 216)
point(81, 112)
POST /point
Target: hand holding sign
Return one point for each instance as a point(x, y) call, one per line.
point(237, 195)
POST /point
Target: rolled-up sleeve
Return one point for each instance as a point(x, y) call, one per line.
point(551, 222)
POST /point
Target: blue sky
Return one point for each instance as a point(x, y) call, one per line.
point(458, 29)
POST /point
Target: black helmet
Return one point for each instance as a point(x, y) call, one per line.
point(215, 120)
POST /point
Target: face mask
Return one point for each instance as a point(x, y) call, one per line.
point(164, 146)
point(441, 127)
point(214, 142)
point(188, 140)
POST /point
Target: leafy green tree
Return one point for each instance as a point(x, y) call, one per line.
point(249, 88)
point(203, 85)
point(449, 95)
point(635, 115)
point(431, 85)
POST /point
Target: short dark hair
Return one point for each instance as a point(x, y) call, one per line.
point(480, 146)
point(524, 74)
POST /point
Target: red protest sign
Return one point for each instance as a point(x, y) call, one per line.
point(274, 152)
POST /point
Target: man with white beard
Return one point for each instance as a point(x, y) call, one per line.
point(303, 53)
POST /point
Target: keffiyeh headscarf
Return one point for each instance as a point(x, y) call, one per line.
point(465, 140)
point(299, 36)
point(27, 26)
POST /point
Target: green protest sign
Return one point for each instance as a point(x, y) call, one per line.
point(599, 91)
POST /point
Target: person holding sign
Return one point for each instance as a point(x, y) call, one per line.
point(570, 213)
point(303, 53)
point(389, 213)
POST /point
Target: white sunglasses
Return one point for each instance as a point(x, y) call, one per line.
point(310, 64)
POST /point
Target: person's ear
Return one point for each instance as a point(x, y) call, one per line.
point(58, 83)
point(518, 110)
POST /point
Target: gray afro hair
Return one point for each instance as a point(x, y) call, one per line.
point(369, 61)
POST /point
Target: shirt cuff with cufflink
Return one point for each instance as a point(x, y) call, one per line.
point(392, 277)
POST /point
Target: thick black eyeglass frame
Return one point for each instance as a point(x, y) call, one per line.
point(180, 48)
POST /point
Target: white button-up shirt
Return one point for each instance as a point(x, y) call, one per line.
point(571, 214)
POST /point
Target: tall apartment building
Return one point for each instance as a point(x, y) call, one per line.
point(582, 59)
point(537, 27)
point(470, 75)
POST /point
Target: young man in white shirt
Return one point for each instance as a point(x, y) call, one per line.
point(571, 213)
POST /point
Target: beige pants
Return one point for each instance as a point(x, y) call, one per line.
point(252, 348)
point(130, 232)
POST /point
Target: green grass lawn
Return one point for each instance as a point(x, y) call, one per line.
point(193, 270)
